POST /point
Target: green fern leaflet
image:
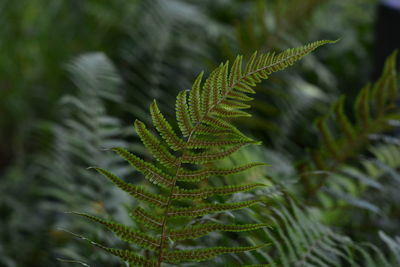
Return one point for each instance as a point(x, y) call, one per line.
point(203, 115)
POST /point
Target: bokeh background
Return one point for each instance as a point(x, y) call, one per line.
point(74, 75)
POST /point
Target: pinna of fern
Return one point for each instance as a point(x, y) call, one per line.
point(203, 115)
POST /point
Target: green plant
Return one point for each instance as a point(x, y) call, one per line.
point(87, 126)
point(299, 239)
point(208, 136)
point(343, 138)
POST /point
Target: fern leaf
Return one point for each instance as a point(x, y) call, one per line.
point(154, 146)
point(373, 109)
point(182, 114)
point(202, 193)
point(203, 229)
point(129, 256)
point(195, 100)
point(210, 93)
point(391, 68)
point(204, 253)
point(196, 176)
point(148, 220)
point(125, 255)
point(342, 119)
point(205, 157)
point(234, 104)
point(210, 131)
point(234, 95)
point(361, 107)
point(203, 120)
point(135, 191)
point(218, 123)
point(236, 71)
point(223, 83)
point(327, 136)
point(250, 64)
point(216, 85)
point(385, 89)
point(126, 233)
point(301, 240)
point(272, 63)
point(196, 143)
point(151, 172)
point(229, 113)
point(165, 129)
point(245, 88)
point(201, 210)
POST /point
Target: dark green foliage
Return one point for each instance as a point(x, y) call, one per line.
point(204, 253)
point(374, 107)
point(209, 106)
point(302, 241)
point(299, 239)
point(157, 46)
point(367, 192)
point(202, 229)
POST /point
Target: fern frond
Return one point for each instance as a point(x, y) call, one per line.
point(196, 143)
point(182, 114)
point(236, 71)
point(261, 67)
point(239, 96)
point(327, 136)
point(234, 104)
point(373, 109)
point(300, 240)
point(124, 254)
point(210, 131)
point(208, 136)
point(204, 253)
point(203, 229)
point(154, 145)
point(205, 157)
point(212, 191)
point(210, 93)
point(361, 106)
point(129, 256)
point(385, 89)
point(223, 112)
point(218, 123)
point(394, 246)
point(201, 210)
point(148, 220)
point(126, 233)
point(195, 100)
point(199, 175)
point(135, 191)
point(223, 83)
point(344, 122)
point(165, 129)
point(151, 172)
point(245, 88)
